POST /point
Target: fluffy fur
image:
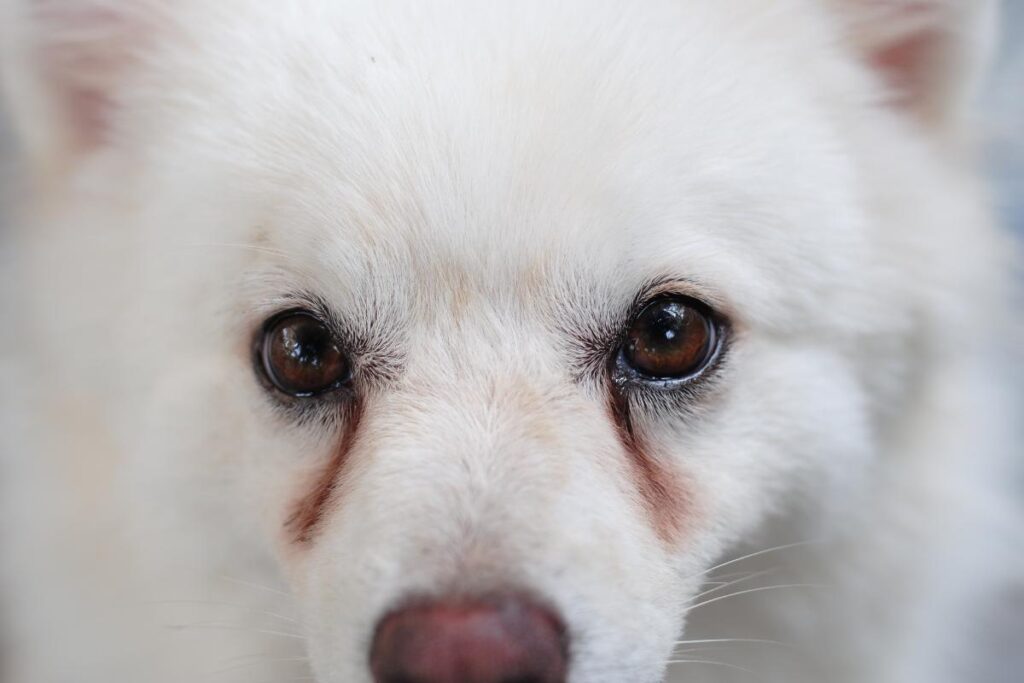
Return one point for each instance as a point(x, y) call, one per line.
point(471, 188)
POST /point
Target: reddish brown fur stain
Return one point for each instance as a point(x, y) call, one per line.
point(308, 513)
point(666, 498)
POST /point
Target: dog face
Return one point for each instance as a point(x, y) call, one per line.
point(513, 316)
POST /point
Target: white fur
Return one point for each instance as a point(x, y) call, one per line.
point(467, 178)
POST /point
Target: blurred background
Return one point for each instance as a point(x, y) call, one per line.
point(1003, 113)
point(1002, 116)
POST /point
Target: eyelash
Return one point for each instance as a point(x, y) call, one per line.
point(598, 350)
point(373, 365)
point(679, 398)
point(598, 362)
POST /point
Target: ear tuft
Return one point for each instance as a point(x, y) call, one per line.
point(930, 54)
point(63, 64)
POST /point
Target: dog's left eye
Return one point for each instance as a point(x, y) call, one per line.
point(300, 356)
point(671, 338)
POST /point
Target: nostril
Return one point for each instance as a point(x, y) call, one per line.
point(503, 639)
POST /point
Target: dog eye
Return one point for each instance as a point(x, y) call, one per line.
point(300, 355)
point(671, 338)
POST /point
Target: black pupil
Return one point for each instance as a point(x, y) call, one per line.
point(664, 327)
point(305, 342)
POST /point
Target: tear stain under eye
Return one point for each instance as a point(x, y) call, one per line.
point(308, 513)
point(666, 499)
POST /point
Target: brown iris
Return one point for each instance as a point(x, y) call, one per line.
point(671, 338)
point(300, 355)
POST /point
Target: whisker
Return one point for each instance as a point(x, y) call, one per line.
point(759, 553)
point(243, 665)
point(710, 661)
point(257, 586)
point(223, 604)
point(218, 626)
point(752, 590)
point(696, 650)
point(734, 582)
point(231, 245)
point(724, 579)
point(727, 576)
point(732, 640)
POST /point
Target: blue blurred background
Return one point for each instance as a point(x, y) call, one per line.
point(1003, 115)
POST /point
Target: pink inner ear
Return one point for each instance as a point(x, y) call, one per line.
point(88, 112)
point(84, 54)
point(908, 67)
point(925, 51)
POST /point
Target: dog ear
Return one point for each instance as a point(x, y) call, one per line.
point(930, 54)
point(64, 66)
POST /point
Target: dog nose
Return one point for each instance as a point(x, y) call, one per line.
point(504, 639)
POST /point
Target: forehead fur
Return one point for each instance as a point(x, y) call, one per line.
point(497, 148)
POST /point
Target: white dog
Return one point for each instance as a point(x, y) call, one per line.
point(470, 341)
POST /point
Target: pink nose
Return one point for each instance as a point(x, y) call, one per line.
point(505, 639)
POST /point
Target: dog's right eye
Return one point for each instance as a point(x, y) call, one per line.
point(300, 356)
point(672, 339)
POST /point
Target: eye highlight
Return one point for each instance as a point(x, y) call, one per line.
point(300, 356)
point(671, 338)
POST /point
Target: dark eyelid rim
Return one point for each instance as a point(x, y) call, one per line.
point(373, 360)
point(310, 304)
point(662, 287)
point(601, 350)
point(623, 374)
